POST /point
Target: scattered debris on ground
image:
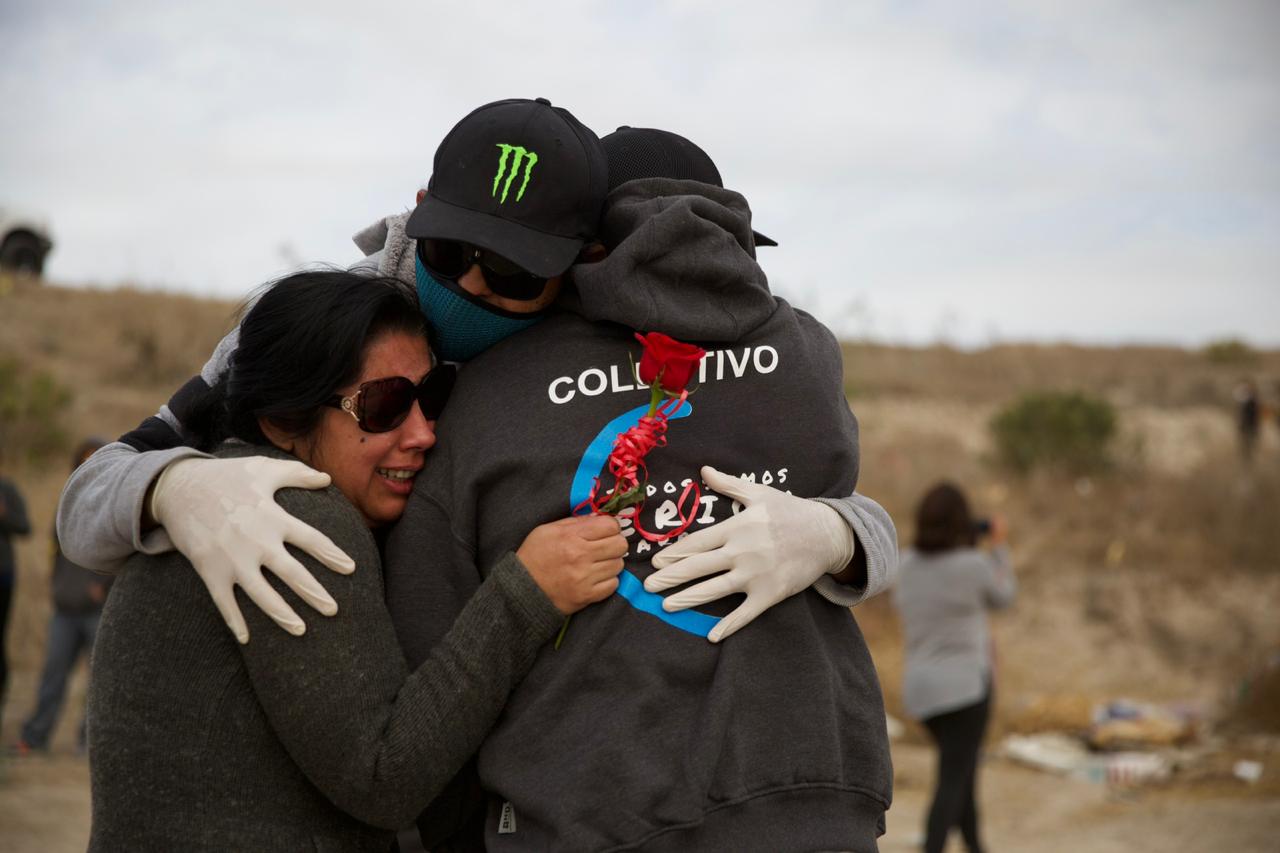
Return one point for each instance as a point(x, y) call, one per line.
point(1125, 743)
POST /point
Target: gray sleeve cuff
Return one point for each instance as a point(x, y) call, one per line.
point(100, 513)
point(138, 480)
point(875, 532)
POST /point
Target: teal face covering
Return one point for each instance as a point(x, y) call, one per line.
point(463, 326)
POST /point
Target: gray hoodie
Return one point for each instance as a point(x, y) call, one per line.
point(637, 733)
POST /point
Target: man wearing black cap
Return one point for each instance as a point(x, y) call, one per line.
point(516, 179)
point(636, 733)
point(514, 196)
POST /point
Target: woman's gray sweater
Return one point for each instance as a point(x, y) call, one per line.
point(943, 599)
point(320, 742)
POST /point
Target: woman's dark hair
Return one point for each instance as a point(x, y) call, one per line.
point(943, 521)
point(303, 340)
point(85, 449)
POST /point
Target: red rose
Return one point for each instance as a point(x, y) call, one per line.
point(673, 360)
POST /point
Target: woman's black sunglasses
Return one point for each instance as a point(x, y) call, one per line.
point(381, 405)
point(451, 259)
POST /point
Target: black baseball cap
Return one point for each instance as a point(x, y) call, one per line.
point(645, 152)
point(520, 178)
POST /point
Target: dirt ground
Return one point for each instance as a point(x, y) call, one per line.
point(44, 806)
point(1155, 580)
point(44, 800)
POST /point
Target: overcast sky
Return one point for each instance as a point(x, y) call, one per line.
point(969, 172)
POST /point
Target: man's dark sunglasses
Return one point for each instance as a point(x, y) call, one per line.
point(381, 405)
point(451, 259)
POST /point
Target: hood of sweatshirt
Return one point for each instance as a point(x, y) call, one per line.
point(681, 261)
point(388, 250)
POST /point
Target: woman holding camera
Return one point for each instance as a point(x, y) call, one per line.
point(945, 587)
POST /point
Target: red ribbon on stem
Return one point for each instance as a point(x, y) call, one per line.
point(631, 475)
point(667, 365)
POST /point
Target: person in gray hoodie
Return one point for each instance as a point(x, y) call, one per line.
point(636, 734)
point(777, 547)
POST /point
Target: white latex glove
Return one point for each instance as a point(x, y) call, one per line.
point(222, 515)
point(776, 547)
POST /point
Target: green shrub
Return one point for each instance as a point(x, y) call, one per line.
point(1066, 431)
point(1230, 352)
point(31, 409)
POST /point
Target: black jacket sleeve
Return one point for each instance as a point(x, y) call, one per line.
point(157, 434)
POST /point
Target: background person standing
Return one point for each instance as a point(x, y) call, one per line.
point(13, 522)
point(1249, 417)
point(78, 596)
point(945, 587)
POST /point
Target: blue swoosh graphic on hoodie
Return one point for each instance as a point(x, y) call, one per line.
point(629, 586)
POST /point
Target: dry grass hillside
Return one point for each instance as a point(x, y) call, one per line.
point(117, 355)
point(1156, 579)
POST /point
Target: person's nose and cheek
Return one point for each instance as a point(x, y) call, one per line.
point(473, 282)
point(417, 433)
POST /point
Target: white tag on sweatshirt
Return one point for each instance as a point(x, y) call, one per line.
point(507, 819)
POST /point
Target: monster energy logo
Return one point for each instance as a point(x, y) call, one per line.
point(529, 158)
